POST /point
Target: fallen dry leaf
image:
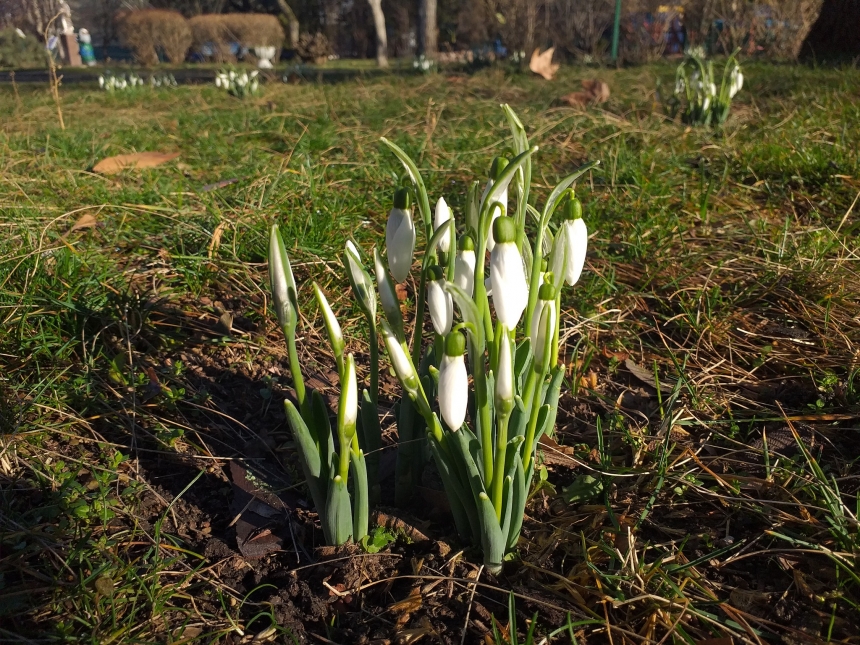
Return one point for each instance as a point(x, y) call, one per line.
point(113, 165)
point(541, 64)
point(86, 221)
point(594, 91)
point(400, 290)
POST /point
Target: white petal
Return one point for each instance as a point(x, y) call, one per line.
point(534, 324)
point(442, 215)
point(508, 281)
point(400, 243)
point(441, 307)
point(578, 240)
point(453, 391)
point(464, 271)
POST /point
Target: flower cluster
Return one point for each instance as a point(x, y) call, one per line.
point(110, 82)
point(696, 95)
point(424, 65)
point(239, 84)
point(162, 80)
point(478, 392)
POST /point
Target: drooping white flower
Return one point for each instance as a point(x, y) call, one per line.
point(507, 275)
point(101, 82)
point(464, 265)
point(568, 251)
point(442, 215)
point(400, 236)
point(439, 302)
point(453, 382)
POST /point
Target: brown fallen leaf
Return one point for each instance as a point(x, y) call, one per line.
point(113, 165)
point(85, 221)
point(541, 64)
point(402, 293)
point(594, 91)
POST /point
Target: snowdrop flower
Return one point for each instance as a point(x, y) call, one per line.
point(507, 274)
point(387, 294)
point(400, 360)
point(281, 280)
point(464, 265)
point(453, 382)
point(254, 86)
point(543, 321)
point(706, 103)
point(335, 334)
point(347, 409)
point(362, 287)
point(499, 164)
point(400, 236)
point(504, 390)
point(102, 82)
point(442, 215)
point(439, 302)
point(713, 89)
point(571, 243)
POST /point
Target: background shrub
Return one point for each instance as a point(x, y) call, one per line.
point(21, 52)
point(150, 30)
point(249, 30)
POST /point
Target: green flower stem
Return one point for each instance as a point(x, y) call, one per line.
point(499, 478)
point(419, 319)
point(295, 368)
point(483, 406)
point(556, 333)
point(374, 362)
point(343, 467)
point(528, 445)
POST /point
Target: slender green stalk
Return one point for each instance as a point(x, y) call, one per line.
point(499, 472)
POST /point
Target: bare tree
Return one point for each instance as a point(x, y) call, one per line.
point(429, 28)
point(381, 35)
point(292, 21)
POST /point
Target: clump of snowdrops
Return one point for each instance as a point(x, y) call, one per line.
point(111, 82)
point(480, 385)
point(696, 96)
point(163, 80)
point(238, 84)
point(424, 64)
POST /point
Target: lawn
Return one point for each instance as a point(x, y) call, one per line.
point(702, 484)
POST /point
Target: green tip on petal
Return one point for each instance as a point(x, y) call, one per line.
point(466, 243)
point(455, 344)
point(499, 164)
point(402, 198)
point(547, 291)
point(504, 230)
point(573, 209)
point(435, 272)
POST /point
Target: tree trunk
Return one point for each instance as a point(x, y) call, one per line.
point(836, 33)
point(292, 21)
point(381, 35)
point(531, 24)
point(428, 31)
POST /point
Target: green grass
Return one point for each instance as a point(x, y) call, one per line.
point(725, 261)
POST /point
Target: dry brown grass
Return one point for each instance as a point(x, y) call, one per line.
point(149, 30)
